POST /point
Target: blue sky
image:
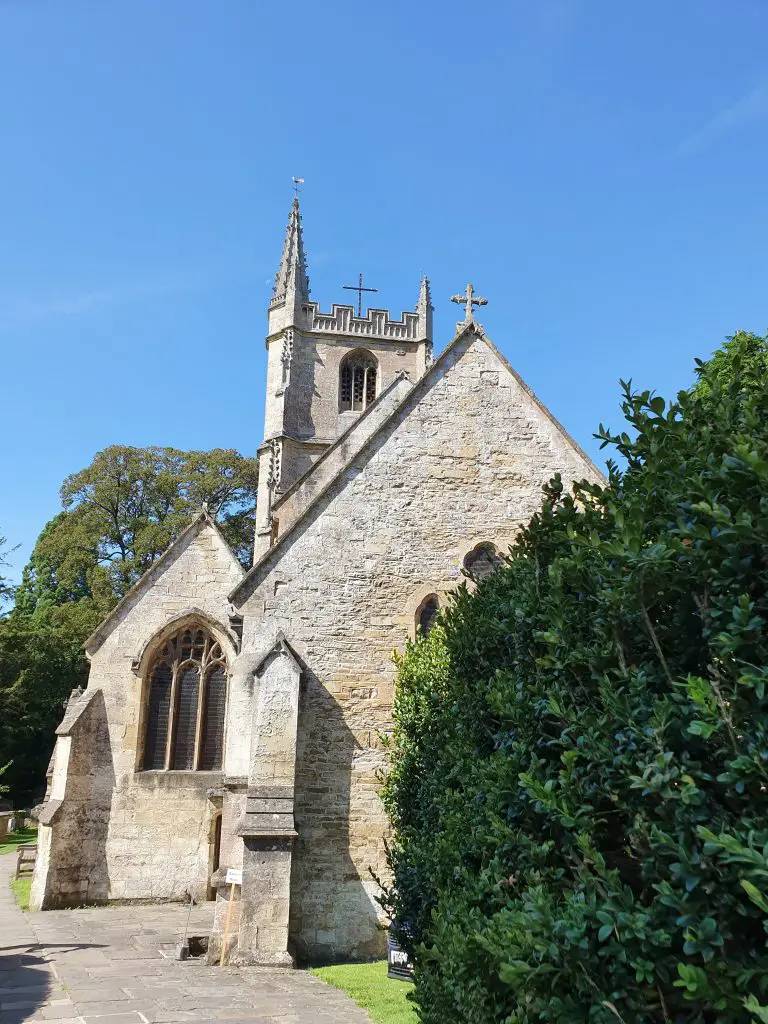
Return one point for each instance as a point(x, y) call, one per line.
point(597, 169)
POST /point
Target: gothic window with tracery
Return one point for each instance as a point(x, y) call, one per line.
point(426, 616)
point(357, 382)
point(481, 561)
point(186, 704)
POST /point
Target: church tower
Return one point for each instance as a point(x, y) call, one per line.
point(323, 371)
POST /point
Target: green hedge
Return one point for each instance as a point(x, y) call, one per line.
point(579, 781)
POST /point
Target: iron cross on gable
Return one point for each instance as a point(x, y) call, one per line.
point(468, 300)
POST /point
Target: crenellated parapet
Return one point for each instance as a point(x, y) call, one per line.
point(377, 324)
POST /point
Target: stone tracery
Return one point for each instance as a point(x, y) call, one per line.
point(184, 729)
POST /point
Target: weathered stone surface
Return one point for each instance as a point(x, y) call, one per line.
point(362, 517)
point(461, 461)
point(121, 833)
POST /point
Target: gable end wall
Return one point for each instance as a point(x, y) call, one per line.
point(155, 842)
point(460, 463)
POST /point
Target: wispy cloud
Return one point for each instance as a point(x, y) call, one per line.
point(752, 107)
point(43, 306)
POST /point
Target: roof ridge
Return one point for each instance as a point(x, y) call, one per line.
point(401, 375)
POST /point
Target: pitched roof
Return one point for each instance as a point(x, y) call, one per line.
point(203, 518)
point(469, 327)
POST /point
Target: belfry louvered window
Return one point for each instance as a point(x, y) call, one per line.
point(357, 382)
point(186, 704)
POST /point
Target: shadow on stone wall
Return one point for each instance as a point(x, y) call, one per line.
point(78, 871)
point(333, 917)
point(302, 390)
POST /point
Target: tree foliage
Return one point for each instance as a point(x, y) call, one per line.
point(6, 590)
point(579, 780)
point(39, 666)
point(118, 516)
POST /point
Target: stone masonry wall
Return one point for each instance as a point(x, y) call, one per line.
point(462, 462)
point(157, 843)
point(311, 399)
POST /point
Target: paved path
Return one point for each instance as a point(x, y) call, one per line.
point(111, 965)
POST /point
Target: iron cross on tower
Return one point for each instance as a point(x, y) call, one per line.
point(359, 289)
point(468, 300)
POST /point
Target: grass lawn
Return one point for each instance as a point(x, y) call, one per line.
point(18, 838)
point(21, 887)
point(369, 986)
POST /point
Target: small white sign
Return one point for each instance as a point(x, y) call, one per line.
point(234, 876)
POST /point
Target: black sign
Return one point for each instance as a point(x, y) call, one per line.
point(398, 964)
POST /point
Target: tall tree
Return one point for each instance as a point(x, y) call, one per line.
point(6, 590)
point(119, 514)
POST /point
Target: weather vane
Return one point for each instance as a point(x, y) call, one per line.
point(359, 289)
point(296, 183)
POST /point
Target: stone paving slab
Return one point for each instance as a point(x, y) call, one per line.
point(113, 965)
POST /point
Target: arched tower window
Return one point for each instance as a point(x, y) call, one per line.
point(358, 381)
point(426, 616)
point(481, 561)
point(186, 703)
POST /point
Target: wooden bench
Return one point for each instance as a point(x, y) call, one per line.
point(25, 863)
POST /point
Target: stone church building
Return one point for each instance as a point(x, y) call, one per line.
point(232, 719)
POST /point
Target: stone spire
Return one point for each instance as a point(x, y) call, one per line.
point(291, 281)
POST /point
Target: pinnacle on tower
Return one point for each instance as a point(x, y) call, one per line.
point(425, 309)
point(425, 296)
point(291, 279)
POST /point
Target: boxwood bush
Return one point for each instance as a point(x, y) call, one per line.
point(579, 768)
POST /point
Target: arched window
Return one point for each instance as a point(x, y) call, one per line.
point(426, 616)
point(357, 382)
point(481, 561)
point(186, 704)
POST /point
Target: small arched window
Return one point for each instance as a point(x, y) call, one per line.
point(186, 704)
point(481, 561)
point(357, 382)
point(426, 616)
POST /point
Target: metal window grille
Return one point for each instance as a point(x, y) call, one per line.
point(183, 758)
point(157, 717)
point(481, 561)
point(346, 387)
point(427, 615)
point(358, 387)
point(357, 384)
point(212, 749)
point(186, 704)
point(370, 385)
